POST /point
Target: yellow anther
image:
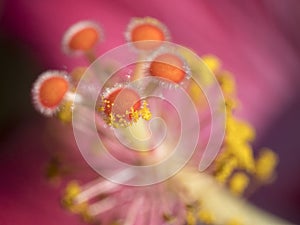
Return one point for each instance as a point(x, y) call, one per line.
point(111, 119)
point(227, 82)
point(212, 62)
point(145, 111)
point(246, 159)
point(191, 218)
point(71, 192)
point(227, 166)
point(206, 216)
point(65, 114)
point(238, 183)
point(134, 114)
point(238, 131)
point(237, 153)
point(247, 132)
point(266, 164)
point(244, 154)
point(231, 104)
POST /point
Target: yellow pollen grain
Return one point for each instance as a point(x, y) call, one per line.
point(245, 157)
point(145, 111)
point(116, 120)
point(191, 218)
point(247, 132)
point(238, 130)
point(237, 138)
point(65, 113)
point(266, 164)
point(72, 190)
point(212, 62)
point(227, 166)
point(231, 104)
point(206, 216)
point(226, 82)
point(134, 114)
point(238, 183)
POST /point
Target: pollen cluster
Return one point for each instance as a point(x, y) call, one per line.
point(126, 116)
point(236, 163)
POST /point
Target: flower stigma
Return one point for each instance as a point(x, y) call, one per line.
point(146, 29)
point(170, 67)
point(122, 106)
point(49, 91)
point(82, 37)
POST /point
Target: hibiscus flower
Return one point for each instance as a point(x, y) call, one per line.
point(225, 38)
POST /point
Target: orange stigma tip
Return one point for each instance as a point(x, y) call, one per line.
point(168, 66)
point(147, 32)
point(49, 91)
point(146, 29)
point(81, 37)
point(121, 101)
